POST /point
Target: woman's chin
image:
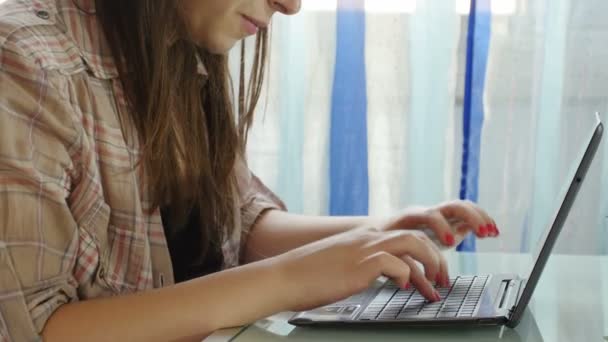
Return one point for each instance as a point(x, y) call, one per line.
point(218, 46)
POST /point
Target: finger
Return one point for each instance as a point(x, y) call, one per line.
point(490, 224)
point(422, 284)
point(443, 276)
point(418, 247)
point(463, 228)
point(434, 220)
point(442, 228)
point(383, 263)
point(459, 209)
point(496, 230)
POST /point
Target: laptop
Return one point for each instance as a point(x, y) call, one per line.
point(488, 299)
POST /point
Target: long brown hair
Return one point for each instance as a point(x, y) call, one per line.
point(186, 125)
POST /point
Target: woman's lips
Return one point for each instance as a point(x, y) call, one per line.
point(251, 25)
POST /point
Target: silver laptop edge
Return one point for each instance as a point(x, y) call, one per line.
point(558, 222)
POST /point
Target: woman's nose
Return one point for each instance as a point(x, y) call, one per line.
point(288, 7)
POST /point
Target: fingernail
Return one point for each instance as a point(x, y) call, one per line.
point(449, 239)
point(491, 231)
point(407, 286)
point(483, 231)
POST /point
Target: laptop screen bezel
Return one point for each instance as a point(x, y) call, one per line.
point(558, 223)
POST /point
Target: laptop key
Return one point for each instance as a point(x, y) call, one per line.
point(368, 316)
point(410, 309)
point(421, 303)
point(384, 296)
point(404, 294)
point(407, 315)
point(427, 315)
point(371, 313)
point(349, 310)
point(386, 315)
point(332, 309)
point(397, 307)
point(452, 305)
point(444, 314)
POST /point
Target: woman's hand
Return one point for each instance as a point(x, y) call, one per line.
point(337, 267)
point(450, 221)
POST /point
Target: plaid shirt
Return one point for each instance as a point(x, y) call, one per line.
point(76, 221)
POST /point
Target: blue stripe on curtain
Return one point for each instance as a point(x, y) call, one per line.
point(478, 40)
point(292, 105)
point(349, 178)
point(546, 181)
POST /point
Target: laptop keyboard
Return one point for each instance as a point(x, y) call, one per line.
point(460, 299)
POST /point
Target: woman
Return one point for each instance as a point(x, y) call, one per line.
point(127, 210)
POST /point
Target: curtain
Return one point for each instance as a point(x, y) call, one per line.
point(372, 106)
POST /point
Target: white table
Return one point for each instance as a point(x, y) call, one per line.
point(569, 304)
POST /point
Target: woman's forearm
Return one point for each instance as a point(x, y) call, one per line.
point(183, 312)
point(277, 232)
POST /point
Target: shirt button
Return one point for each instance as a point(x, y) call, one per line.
point(43, 14)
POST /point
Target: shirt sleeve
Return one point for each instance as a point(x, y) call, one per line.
point(259, 198)
point(256, 198)
point(38, 233)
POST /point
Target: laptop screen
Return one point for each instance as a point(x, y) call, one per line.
point(567, 197)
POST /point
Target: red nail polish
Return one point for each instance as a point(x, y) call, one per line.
point(407, 286)
point(449, 239)
point(483, 231)
point(490, 231)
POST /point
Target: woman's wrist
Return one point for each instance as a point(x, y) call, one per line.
point(254, 291)
point(283, 290)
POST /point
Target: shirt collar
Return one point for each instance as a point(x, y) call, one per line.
point(82, 26)
point(85, 30)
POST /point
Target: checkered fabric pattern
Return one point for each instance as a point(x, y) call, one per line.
point(76, 221)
